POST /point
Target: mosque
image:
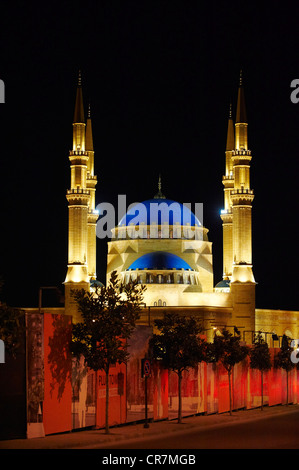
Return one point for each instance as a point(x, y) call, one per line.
point(162, 244)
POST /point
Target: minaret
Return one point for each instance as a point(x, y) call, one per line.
point(226, 213)
point(92, 212)
point(242, 280)
point(78, 197)
point(241, 196)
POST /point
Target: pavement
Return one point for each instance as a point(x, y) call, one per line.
point(96, 438)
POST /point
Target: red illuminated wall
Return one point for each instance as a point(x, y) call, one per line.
point(211, 389)
point(138, 349)
point(160, 392)
point(117, 396)
point(223, 389)
point(57, 373)
point(206, 389)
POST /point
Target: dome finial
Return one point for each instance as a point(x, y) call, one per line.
point(241, 78)
point(159, 194)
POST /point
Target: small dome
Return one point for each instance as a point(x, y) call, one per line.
point(95, 283)
point(159, 260)
point(159, 211)
point(225, 284)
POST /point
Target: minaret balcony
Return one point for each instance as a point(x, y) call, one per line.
point(78, 153)
point(226, 216)
point(242, 197)
point(241, 152)
point(241, 191)
point(243, 156)
point(78, 191)
point(228, 181)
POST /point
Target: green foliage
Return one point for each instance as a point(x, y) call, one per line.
point(12, 328)
point(109, 316)
point(260, 358)
point(283, 357)
point(178, 345)
point(227, 349)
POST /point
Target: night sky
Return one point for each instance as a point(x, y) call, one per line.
point(159, 77)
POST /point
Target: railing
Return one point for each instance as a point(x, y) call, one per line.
point(241, 152)
point(78, 191)
point(79, 152)
point(242, 191)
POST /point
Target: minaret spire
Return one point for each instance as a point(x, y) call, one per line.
point(79, 108)
point(91, 182)
point(241, 118)
point(230, 140)
point(88, 137)
point(226, 213)
point(159, 194)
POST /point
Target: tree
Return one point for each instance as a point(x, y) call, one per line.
point(12, 328)
point(178, 346)
point(283, 359)
point(260, 359)
point(227, 349)
point(109, 316)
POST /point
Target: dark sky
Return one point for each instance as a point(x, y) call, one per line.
point(159, 76)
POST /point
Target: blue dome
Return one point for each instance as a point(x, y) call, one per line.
point(159, 211)
point(159, 260)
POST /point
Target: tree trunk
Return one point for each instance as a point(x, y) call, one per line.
point(107, 431)
point(262, 390)
point(287, 387)
point(180, 397)
point(96, 399)
point(230, 392)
